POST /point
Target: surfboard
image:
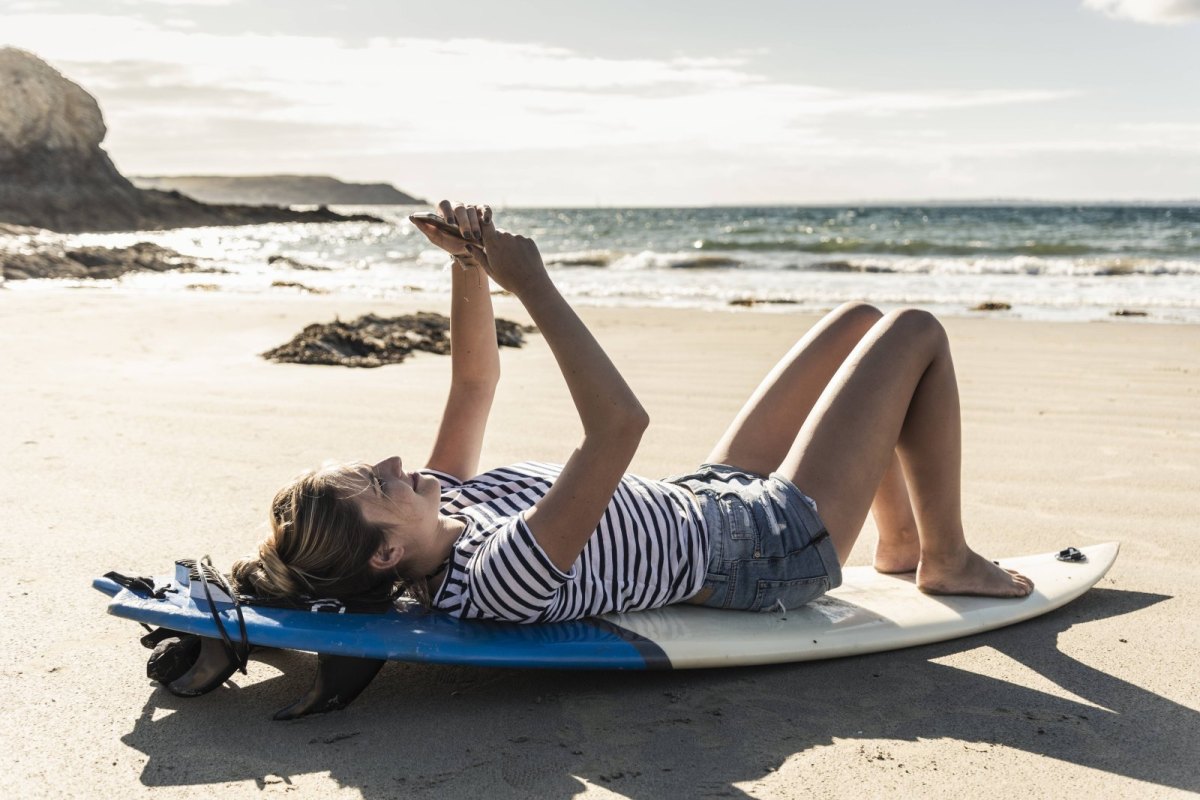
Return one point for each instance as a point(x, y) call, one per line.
point(870, 612)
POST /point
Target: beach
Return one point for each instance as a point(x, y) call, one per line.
point(141, 427)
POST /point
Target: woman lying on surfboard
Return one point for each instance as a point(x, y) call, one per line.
point(861, 415)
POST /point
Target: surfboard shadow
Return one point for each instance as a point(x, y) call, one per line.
point(449, 731)
point(1115, 725)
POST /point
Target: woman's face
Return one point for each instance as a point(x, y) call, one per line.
point(406, 503)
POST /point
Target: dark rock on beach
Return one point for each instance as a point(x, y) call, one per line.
point(1129, 312)
point(291, 263)
point(92, 262)
point(55, 175)
point(372, 341)
point(512, 334)
point(993, 305)
point(297, 285)
point(750, 302)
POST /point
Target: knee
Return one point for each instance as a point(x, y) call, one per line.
point(856, 316)
point(917, 325)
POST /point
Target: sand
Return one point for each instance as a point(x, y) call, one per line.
point(139, 428)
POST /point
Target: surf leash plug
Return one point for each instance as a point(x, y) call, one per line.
point(1071, 554)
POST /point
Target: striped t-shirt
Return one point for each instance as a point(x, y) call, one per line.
point(649, 550)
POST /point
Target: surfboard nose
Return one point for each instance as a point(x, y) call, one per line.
point(106, 585)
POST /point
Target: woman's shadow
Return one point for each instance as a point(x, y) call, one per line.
point(451, 731)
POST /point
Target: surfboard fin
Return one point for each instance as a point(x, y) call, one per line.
point(339, 680)
point(174, 654)
point(156, 635)
point(211, 667)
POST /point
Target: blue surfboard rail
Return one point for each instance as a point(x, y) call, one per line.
point(399, 634)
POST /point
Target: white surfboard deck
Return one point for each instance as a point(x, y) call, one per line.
point(870, 612)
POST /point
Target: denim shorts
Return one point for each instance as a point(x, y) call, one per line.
point(767, 548)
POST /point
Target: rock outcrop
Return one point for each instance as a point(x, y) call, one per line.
point(54, 261)
point(55, 175)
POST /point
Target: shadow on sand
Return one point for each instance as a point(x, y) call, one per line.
point(450, 731)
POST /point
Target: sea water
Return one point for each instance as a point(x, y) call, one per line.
point(1075, 262)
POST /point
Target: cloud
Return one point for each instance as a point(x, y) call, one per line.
point(25, 6)
point(454, 95)
point(181, 2)
point(1153, 12)
point(567, 125)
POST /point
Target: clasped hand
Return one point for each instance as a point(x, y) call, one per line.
point(511, 260)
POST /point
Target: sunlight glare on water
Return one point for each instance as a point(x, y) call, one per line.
point(1048, 262)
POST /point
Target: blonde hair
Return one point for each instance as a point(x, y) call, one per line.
point(320, 545)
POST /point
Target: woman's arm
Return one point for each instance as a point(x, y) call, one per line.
point(474, 364)
point(613, 419)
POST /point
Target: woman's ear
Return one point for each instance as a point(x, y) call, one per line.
point(387, 557)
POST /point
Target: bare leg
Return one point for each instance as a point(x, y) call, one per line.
point(759, 437)
point(898, 548)
point(896, 391)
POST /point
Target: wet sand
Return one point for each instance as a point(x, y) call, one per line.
point(142, 428)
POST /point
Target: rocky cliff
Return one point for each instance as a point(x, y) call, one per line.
point(54, 174)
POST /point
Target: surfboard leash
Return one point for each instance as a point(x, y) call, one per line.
point(239, 654)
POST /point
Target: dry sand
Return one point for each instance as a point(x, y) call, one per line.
point(141, 428)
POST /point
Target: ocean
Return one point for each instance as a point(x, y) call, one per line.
point(1060, 262)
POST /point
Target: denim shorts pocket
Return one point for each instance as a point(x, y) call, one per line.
point(783, 595)
point(739, 518)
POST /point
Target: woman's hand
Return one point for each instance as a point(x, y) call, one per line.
point(513, 261)
point(466, 247)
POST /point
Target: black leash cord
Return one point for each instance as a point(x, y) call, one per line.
point(240, 656)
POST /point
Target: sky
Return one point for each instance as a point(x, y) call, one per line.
point(628, 102)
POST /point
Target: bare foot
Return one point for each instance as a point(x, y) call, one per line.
point(970, 574)
point(897, 553)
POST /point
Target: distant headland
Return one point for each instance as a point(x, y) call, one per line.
point(281, 190)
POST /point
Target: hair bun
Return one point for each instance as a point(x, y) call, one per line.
point(266, 575)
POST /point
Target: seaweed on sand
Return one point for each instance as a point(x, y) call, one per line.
point(372, 341)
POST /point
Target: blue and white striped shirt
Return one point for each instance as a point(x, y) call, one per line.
point(649, 550)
